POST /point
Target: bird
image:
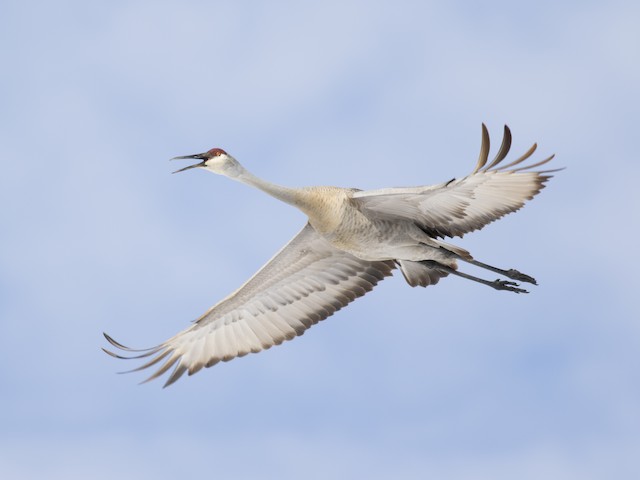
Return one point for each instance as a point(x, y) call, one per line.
point(352, 240)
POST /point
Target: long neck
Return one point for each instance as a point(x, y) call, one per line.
point(292, 196)
point(323, 205)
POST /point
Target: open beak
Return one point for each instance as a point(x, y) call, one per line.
point(197, 156)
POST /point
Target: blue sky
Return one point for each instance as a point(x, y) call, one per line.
point(452, 382)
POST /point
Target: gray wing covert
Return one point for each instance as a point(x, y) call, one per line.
point(460, 206)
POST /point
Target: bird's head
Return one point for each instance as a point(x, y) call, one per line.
point(215, 160)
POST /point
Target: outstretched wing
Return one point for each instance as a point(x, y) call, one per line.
point(460, 206)
point(307, 281)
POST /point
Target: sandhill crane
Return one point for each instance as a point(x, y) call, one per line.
point(353, 239)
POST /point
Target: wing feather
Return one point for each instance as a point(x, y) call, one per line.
point(304, 283)
point(457, 207)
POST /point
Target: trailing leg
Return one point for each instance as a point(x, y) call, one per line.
point(511, 273)
point(461, 254)
point(497, 284)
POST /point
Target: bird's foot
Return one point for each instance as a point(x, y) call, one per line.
point(522, 277)
point(506, 285)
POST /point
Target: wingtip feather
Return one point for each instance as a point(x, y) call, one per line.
point(504, 149)
point(484, 149)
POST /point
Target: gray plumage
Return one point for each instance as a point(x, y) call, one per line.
point(353, 240)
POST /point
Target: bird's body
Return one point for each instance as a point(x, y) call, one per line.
point(335, 215)
point(352, 241)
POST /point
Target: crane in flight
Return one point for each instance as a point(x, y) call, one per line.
point(353, 239)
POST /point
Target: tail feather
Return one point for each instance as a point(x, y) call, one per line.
point(419, 275)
